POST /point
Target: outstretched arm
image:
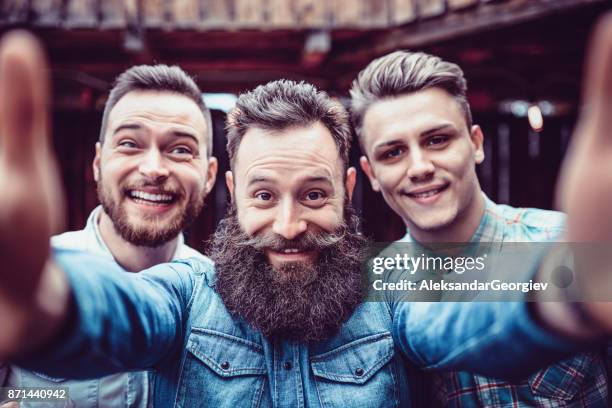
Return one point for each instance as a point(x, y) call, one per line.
point(33, 292)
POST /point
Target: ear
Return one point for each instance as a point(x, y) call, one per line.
point(351, 178)
point(96, 162)
point(229, 182)
point(211, 174)
point(477, 141)
point(365, 166)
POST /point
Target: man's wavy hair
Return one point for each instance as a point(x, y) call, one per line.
point(403, 72)
point(283, 104)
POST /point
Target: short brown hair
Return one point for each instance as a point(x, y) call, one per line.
point(282, 104)
point(162, 78)
point(403, 72)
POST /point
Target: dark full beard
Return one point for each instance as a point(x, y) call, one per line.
point(299, 301)
point(153, 234)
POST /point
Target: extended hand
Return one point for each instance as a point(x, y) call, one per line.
point(31, 200)
point(585, 188)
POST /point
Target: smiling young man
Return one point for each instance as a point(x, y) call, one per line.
point(414, 125)
point(278, 320)
point(153, 169)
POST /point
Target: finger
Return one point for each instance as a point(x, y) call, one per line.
point(23, 98)
point(597, 98)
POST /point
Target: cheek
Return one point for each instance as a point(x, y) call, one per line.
point(253, 220)
point(390, 177)
point(192, 179)
point(326, 219)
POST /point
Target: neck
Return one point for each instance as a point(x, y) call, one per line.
point(461, 230)
point(133, 258)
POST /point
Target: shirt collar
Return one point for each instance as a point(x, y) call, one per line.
point(93, 228)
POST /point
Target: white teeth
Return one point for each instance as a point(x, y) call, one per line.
point(427, 193)
point(290, 251)
point(156, 198)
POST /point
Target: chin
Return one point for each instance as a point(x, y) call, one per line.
point(434, 223)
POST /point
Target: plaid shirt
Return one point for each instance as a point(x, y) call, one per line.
point(580, 381)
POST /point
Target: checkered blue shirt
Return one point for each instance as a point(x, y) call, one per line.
point(580, 381)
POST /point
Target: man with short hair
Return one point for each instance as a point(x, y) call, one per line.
point(290, 189)
point(153, 168)
point(414, 124)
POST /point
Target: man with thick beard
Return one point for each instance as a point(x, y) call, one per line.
point(153, 169)
point(288, 145)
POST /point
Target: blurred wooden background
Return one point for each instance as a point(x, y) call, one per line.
point(514, 53)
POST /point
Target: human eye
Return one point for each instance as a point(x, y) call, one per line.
point(437, 141)
point(264, 196)
point(314, 197)
point(392, 153)
point(182, 151)
point(126, 144)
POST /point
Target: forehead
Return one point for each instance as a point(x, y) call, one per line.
point(152, 109)
point(410, 115)
point(291, 153)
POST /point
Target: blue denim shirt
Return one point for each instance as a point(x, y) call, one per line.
point(171, 319)
point(129, 390)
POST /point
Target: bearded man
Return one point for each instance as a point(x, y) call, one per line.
point(290, 186)
point(153, 168)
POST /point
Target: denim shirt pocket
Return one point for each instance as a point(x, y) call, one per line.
point(221, 370)
point(358, 372)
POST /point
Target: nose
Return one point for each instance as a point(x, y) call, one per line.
point(420, 167)
point(288, 222)
point(152, 166)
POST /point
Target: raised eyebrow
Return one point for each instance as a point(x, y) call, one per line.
point(388, 143)
point(316, 179)
point(258, 179)
point(435, 129)
point(180, 133)
point(127, 126)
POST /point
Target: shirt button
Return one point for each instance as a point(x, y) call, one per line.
point(359, 372)
point(287, 365)
point(225, 365)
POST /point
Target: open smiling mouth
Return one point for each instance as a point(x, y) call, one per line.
point(427, 193)
point(143, 197)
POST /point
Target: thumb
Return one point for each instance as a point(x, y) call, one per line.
point(597, 97)
point(23, 99)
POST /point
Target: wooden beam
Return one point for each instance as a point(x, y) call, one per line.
point(453, 25)
point(47, 12)
point(402, 11)
point(154, 13)
point(281, 14)
point(461, 4)
point(248, 13)
point(430, 8)
point(14, 11)
point(312, 13)
point(185, 13)
point(112, 14)
point(216, 14)
point(81, 13)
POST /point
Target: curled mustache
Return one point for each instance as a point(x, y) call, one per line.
point(307, 241)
